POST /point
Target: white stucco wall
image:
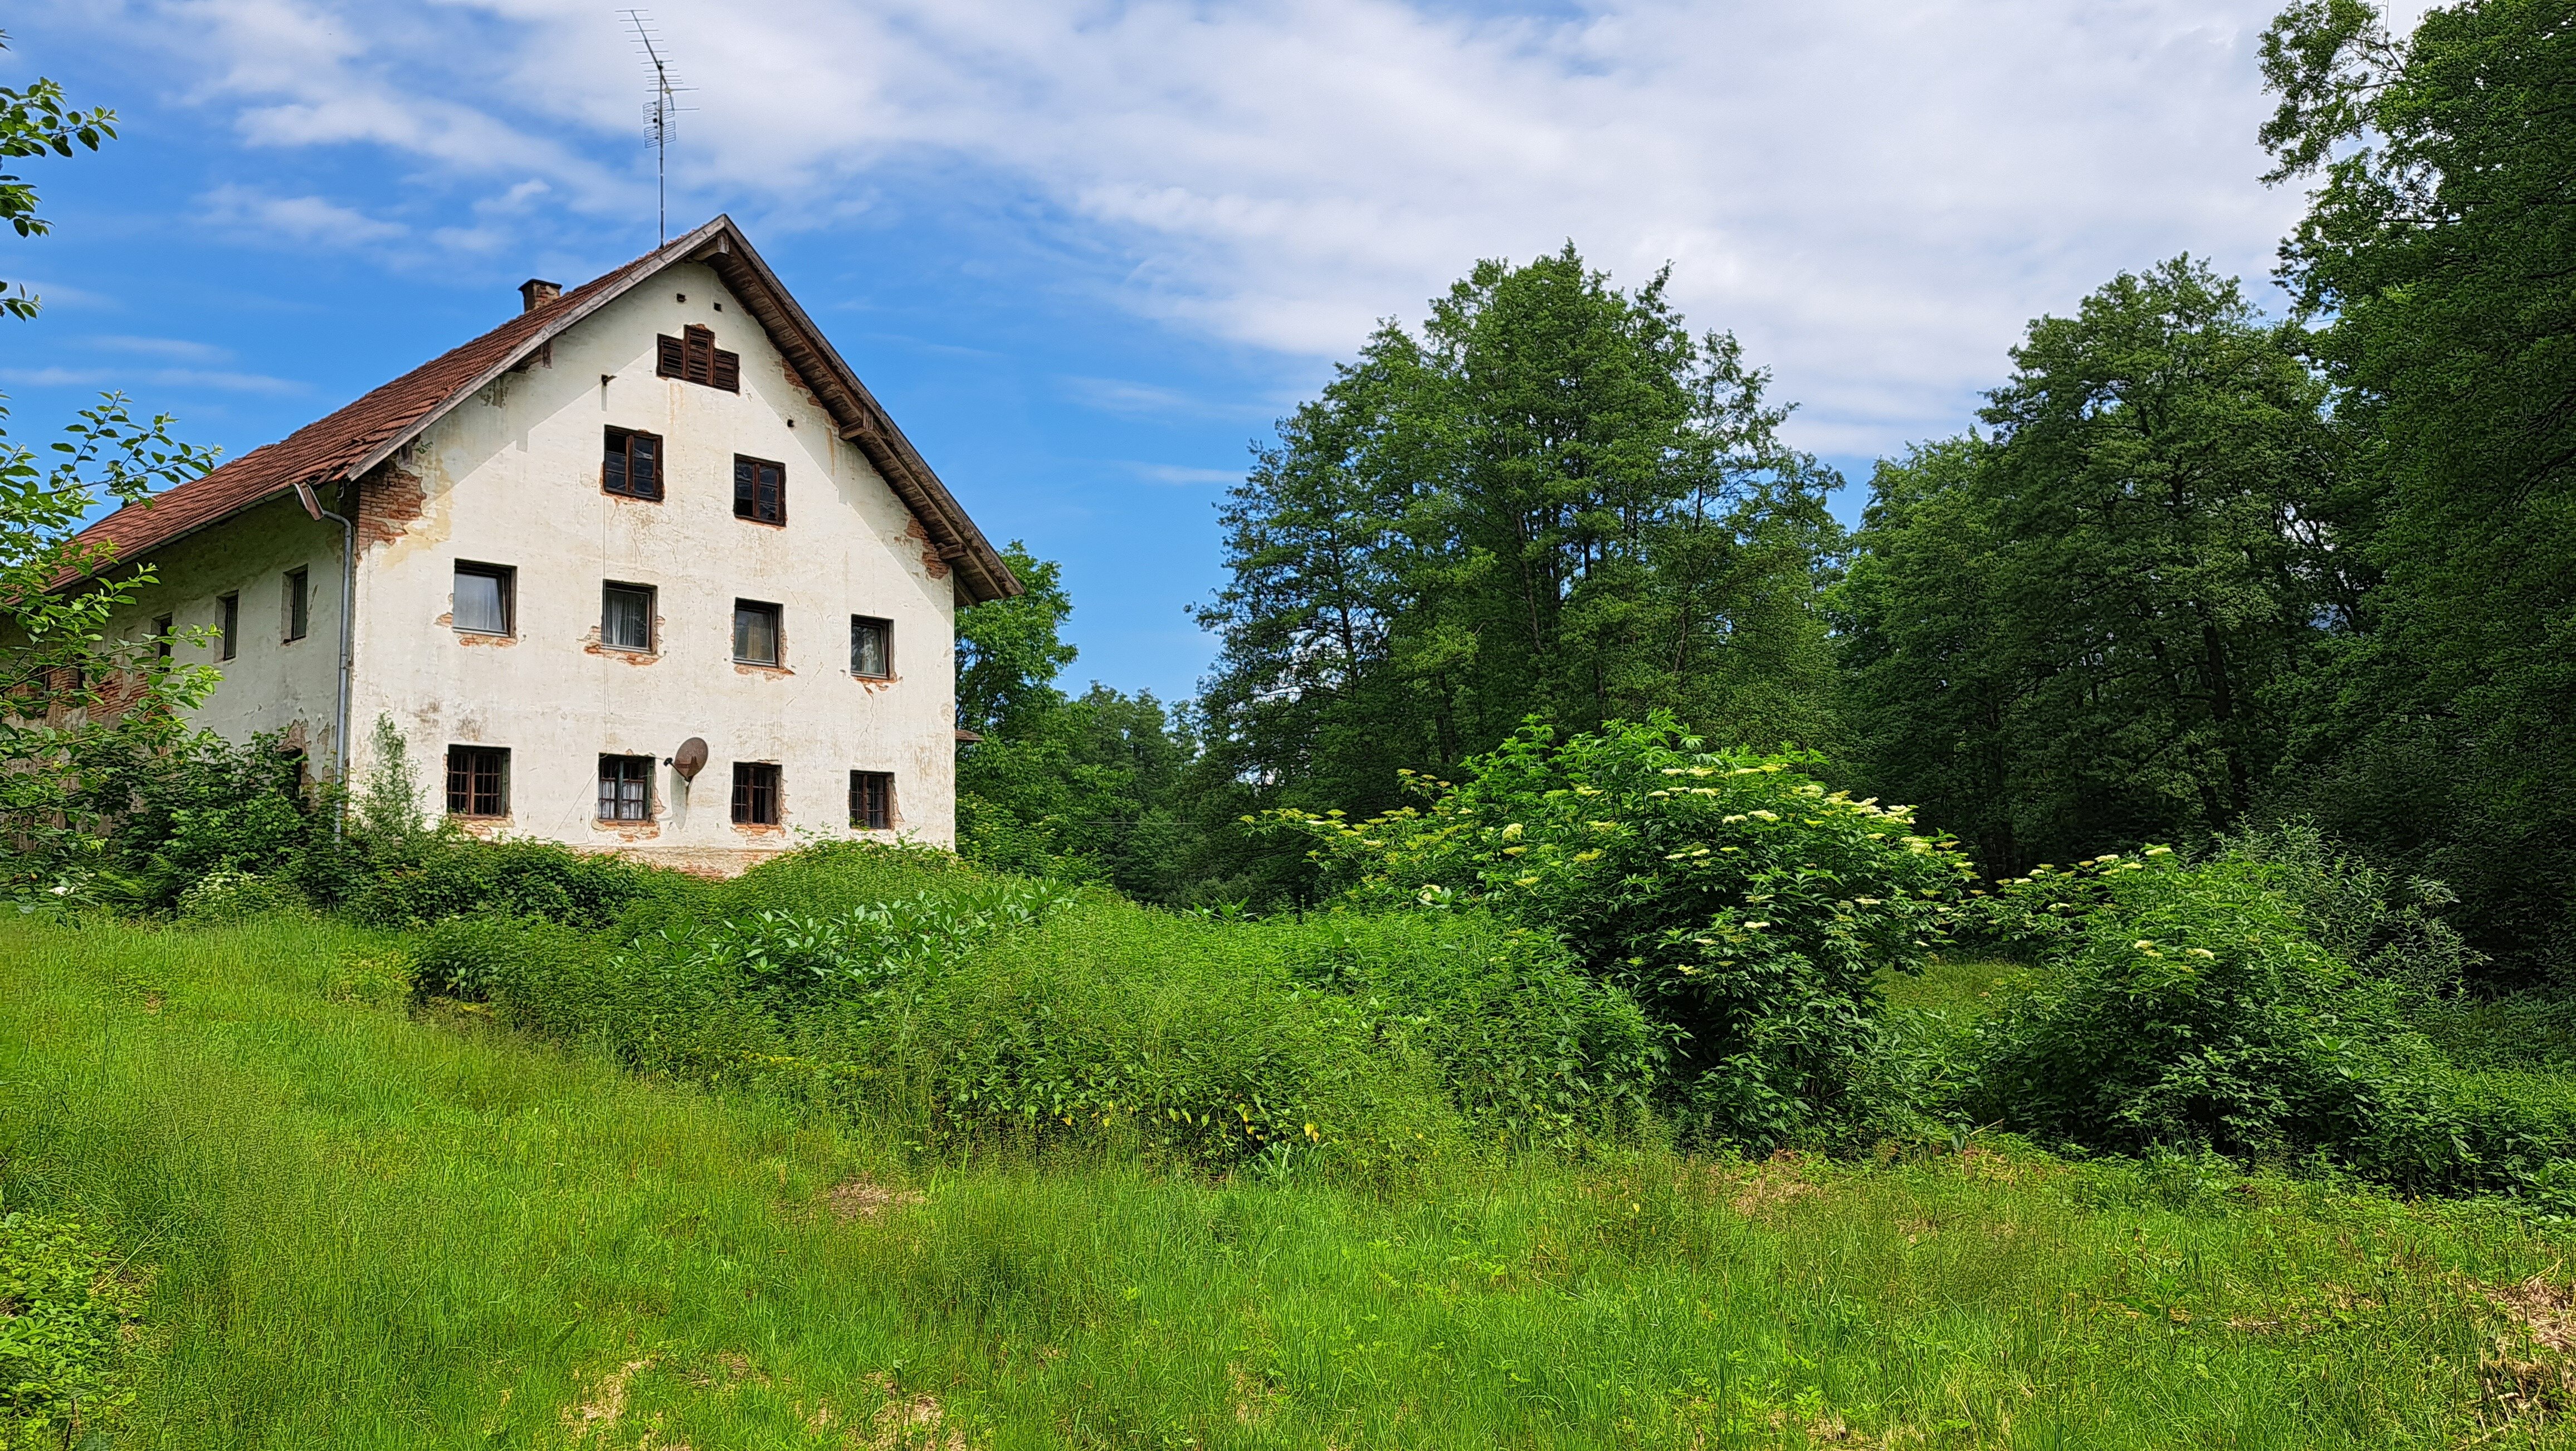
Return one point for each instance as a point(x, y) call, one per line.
point(271, 683)
point(512, 477)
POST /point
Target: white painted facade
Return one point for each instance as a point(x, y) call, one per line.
point(511, 476)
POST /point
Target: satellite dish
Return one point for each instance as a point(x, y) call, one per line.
point(690, 758)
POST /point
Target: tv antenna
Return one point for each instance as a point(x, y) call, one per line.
point(659, 113)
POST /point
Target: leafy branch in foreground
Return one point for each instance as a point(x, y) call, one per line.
point(34, 122)
point(74, 699)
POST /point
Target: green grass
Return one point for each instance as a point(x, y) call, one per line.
point(369, 1230)
point(1949, 985)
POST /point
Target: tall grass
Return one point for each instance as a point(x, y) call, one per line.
point(376, 1231)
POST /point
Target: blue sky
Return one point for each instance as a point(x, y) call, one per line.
point(1086, 252)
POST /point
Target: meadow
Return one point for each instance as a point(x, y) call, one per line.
point(346, 1216)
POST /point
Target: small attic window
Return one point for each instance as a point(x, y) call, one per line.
point(694, 357)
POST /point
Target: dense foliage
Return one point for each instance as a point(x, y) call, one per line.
point(2072, 634)
point(1555, 499)
point(68, 1307)
point(968, 1010)
point(1744, 905)
point(2263, 1004)
point(2440, 242)
point(77, 707)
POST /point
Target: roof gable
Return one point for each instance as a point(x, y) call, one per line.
point(350, 442)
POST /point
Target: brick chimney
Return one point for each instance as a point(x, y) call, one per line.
point(537, 292)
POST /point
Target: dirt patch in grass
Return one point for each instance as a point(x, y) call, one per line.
point(606, 1404)
point(861, 1197)
point(2527, 1374)
point(1780, 1180)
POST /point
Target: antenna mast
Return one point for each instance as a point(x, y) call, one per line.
point(658, 117)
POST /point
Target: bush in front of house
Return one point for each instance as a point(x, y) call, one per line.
point(443, 874)
point(1745, 906)
point(964, 1008)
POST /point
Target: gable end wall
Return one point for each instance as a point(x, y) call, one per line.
point(511, 476)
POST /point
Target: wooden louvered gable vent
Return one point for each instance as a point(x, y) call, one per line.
point(694, 357)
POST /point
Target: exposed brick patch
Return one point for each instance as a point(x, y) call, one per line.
point(590, 646)
point(931, 563)
point(796, 380)
point(389, 500)
point(717, 862)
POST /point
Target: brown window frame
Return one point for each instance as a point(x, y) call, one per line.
point(617, 464)
point(615, 802)
point(759, 786)
point(228, 626)
point(652, 614)
point(777, 634)
point(508, 576)
point(872, 800)
point(162, 628)
point(299, 604)
point(693, 357)
point(747, 502)
point(478, 776)
point(885, 646)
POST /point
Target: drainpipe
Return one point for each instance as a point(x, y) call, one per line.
point(348, 627)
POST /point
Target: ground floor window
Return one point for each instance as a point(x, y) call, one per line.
point(478, 781)
point(755, 793)
point(872, 800)
point(626, 788)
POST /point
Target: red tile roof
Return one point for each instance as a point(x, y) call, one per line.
point(360, 435)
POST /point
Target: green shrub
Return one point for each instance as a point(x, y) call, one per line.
point(2033, 918)
point(1739, 901)
point(673, 1015)
point(831, 877)
point(67, 1305)
point(2194, 1012)
point(2198, 1011)
point(2388, 928)
point(794, 961)
point(447, 874)
point(1188, 1040)
point(969, 1009)
point(229, 896)
point(1532, 1050)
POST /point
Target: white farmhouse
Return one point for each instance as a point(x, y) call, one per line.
point(645, 568)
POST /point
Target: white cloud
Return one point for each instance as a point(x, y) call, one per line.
point(176, 349)
point(1184, 475)
point(1134, 399)
point(310, 220)
point(106, 379)
point(1875, 195)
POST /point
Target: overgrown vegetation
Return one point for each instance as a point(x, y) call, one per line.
point(366, 1228)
